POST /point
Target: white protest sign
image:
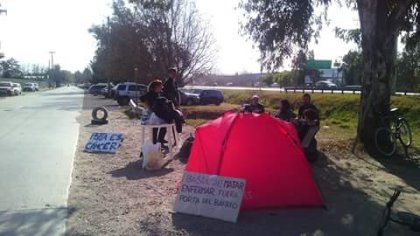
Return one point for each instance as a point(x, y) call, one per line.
point(104, 142)
point(210, 195)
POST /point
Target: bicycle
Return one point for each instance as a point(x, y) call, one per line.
point(394, 126)
point(402, 218)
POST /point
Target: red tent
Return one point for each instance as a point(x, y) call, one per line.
point(262, 150)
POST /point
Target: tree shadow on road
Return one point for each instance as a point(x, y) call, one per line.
point(405, 167)
point(134, 171)
point(52, 93)
point(49, 221)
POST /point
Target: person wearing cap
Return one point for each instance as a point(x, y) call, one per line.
point(255, 106)
point(170, 88)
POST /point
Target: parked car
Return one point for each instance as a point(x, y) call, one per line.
point(96, 88)
point(325, 84)
point(189, 99)
point(6, 88)
point(275, 85)
point(209, 96)
point(31, 87)
point(129, 90)
point(105, 90)
point(17, 89)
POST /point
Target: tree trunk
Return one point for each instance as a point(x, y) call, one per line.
point(379, 47)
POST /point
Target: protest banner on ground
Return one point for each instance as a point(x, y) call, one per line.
point(104, 142)
point(210, 195)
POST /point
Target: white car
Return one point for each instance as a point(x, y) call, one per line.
point(17, 89)
point(31, 87)
point(129, 90)
point(325, 84)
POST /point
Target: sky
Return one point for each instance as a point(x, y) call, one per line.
point(32, 29)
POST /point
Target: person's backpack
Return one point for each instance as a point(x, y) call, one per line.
point(185, 150)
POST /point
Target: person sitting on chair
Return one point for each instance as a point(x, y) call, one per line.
point(286, 112)
point(255, 106)
point(150, 116)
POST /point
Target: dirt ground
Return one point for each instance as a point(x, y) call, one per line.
point(111, 195)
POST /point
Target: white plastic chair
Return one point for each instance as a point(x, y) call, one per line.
point(170, 132)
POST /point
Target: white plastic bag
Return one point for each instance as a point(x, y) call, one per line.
point(150, 118)
point(155, 120)
point(152, 157)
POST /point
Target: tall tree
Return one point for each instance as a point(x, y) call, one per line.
point(147, 37)
point(11, 68)
point(87, 76)
point(78, 77)
point(353, 68)
point(277, 26)
point(407, 69)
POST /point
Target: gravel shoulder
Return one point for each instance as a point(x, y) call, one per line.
point(111, 195)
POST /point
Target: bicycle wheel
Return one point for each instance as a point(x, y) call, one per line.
point(385, 141)
point(404, 132)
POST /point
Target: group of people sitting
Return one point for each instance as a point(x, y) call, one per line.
point(306, 118)
point(162, 103)
point(162, 106)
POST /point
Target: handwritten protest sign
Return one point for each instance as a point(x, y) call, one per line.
point(104, 142)
point(210, 195)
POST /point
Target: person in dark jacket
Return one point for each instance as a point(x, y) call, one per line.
point(255, 106)
point(286, 112)
point(150, 99)
point(306, 104)
point(310, 119)
point(170, 88)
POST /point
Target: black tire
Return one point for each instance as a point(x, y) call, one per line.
point(385, 142)
point(99, 122)
point(405, 136)
point(123, 101)
point(95, 113)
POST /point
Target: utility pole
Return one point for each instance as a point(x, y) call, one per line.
point(52, 59)
point(51, 69)
point(109, 54)
point(5, 12)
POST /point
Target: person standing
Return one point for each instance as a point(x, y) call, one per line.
point(306, 104)
point(170, 88)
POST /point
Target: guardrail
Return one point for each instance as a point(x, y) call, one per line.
point(339, 91)
point(313, 90)
point(296, 90)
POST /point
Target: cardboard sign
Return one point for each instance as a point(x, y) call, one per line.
point(210, 195)
point(104, 142)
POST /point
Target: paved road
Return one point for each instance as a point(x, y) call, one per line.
point(38, 137)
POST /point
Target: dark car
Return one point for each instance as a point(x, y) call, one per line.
point(210, 96)
point(189, 99)
point(96, 88)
